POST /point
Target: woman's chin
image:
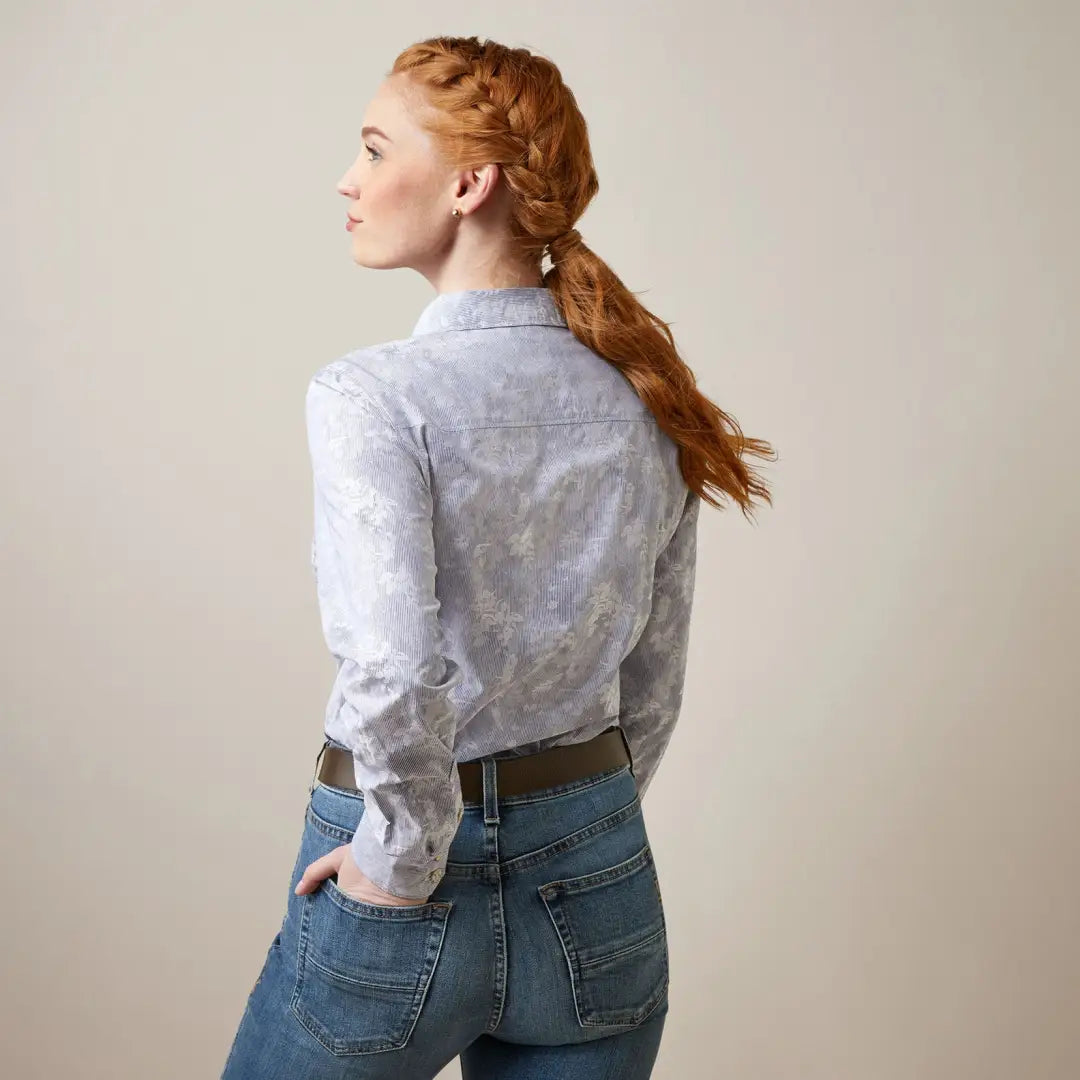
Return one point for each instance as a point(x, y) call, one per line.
point(371, 263)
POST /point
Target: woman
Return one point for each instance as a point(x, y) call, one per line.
point(506, 506)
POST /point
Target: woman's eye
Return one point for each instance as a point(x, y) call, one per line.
point(371, 150)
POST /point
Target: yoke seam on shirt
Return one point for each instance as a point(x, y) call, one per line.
point(389, 420)
point(535, 423)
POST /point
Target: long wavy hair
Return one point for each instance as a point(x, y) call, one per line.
point(494, 104)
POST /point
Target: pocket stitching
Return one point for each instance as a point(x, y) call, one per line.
point(622, 952)
point(641, 862)
point(437, 914)
point(576, 968)
point(364, 909)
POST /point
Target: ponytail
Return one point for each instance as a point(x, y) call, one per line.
point(604, 314)
point(490, 103)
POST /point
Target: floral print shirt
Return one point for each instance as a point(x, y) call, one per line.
point(504, 553)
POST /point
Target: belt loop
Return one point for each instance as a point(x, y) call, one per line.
point(626, 743)
point(491, 791)
point(318, 758)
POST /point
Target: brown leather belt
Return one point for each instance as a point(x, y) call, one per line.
point(513, 775)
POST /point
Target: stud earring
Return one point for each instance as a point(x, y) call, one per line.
point(456, 212)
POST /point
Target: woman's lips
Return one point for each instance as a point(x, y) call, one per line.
point(350, 222)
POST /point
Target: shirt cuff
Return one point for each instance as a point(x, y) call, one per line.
point(394, 873)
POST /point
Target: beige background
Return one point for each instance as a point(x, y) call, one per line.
point(861, 220)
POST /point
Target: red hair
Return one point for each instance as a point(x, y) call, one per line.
point(492, 104)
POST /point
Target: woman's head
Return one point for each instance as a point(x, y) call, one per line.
point(489, 131)
point(495, 133)
point(403, 191)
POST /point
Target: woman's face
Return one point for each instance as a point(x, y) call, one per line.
point(398, 187)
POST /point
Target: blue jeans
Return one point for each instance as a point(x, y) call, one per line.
point(542, 953)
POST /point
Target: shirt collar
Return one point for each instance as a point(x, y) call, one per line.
point(472, 309)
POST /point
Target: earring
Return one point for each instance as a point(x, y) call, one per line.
point(456, 212)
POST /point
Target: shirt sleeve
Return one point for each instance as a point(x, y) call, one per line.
point(379, 613)
point(652, 675)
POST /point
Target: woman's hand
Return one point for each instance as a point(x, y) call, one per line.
point(350, 880)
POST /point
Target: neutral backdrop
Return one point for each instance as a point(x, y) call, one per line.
point(860, 219)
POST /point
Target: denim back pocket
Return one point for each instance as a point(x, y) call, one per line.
point(611, 925)
point(363, 970)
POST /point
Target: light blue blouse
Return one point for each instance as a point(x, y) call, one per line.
point(504, 552)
